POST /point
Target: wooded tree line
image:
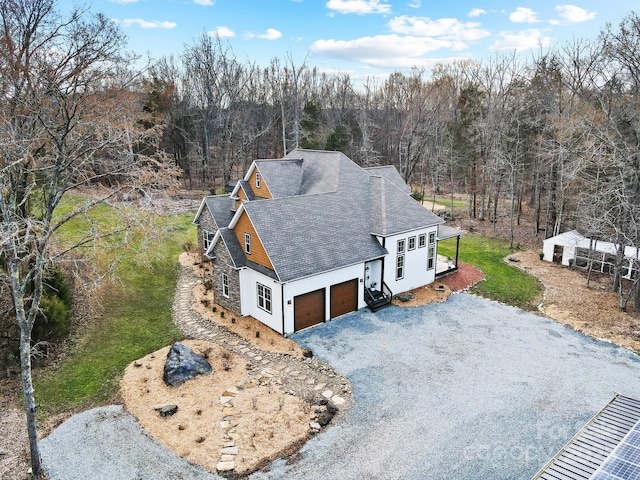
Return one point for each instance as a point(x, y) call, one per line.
point(558, 132)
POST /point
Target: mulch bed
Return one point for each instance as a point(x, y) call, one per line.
point(466, 276)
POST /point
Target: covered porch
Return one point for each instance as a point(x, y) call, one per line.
point(446, 265)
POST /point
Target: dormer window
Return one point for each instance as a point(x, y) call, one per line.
point(257, 180)
point(247, 243)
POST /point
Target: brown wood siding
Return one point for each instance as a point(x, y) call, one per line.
point(308, 309)
point(258, 253)
point(241, 197)
point(263, 191)
point(344, 298)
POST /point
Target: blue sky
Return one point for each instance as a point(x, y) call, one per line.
point(361, 37)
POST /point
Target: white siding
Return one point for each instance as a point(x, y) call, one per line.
point(415, 264)
point(317, 282)
point(249, 280)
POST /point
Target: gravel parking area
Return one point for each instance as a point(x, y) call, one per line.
point(464, 389)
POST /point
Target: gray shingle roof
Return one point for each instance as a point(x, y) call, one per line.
point(330, 222)
point(310, 234)
point(390, 173)
point(220, 208)
point(246, 188)
point(393, 211)
point(284, 176)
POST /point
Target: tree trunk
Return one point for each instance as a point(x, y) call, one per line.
point(29, 402)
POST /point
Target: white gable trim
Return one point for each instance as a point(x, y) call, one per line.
point(202, 205)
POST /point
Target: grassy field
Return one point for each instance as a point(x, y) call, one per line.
point(503, 283)
point(135, 317)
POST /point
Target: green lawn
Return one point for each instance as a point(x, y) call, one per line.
point(504, 282)
point(135, 318)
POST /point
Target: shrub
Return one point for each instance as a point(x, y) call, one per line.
point(54, 321)
point(417, 195)
point(541, 255)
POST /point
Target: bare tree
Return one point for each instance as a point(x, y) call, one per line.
point(69, 117)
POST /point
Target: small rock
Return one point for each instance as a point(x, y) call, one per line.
point(227, 458)
point(337, 400)
point(225, 399)
point(229, 451)
point(225, 466)
point(229, 444)
point(168, 410)
point(324, 418)
point(327, 393)
point(307, 352)
point(314, 426)
point(137, 363)
point(320, 386)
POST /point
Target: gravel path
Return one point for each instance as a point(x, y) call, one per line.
point(106, 444)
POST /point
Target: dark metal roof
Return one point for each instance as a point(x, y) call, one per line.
point(586, 452)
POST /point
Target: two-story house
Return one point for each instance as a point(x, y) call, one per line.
point(304, 239)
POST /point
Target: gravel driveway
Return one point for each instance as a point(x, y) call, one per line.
point(466, 389)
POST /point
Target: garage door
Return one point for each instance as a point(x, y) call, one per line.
point(308, 309)
point(344, 298)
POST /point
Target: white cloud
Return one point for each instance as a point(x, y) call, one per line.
point(573, 14)
point(389, 51)
point(476, 12)
point(127, 22)
point(359, 7)
point(222, 32)
point(206, 3)
point(271, 34)
point(448, 28)
point(415, 3)
point(523, 15)
point(520, 41)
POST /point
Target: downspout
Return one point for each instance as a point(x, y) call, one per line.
point(282, 302)
point(457, 248)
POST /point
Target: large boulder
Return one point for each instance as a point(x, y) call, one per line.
point(182, 364)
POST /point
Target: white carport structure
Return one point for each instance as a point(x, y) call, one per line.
point(572, 248)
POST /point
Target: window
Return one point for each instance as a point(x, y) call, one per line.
point(207, 238)
point(431, 258)
point(400, 267)
point(432, 238)
point(257, 180)
point(264, 298)
point(225, 285)
point(247, 243)
point(422, 240)
point(412, 243)
point(401, 246)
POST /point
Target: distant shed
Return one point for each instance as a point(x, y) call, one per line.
point(572, 248)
